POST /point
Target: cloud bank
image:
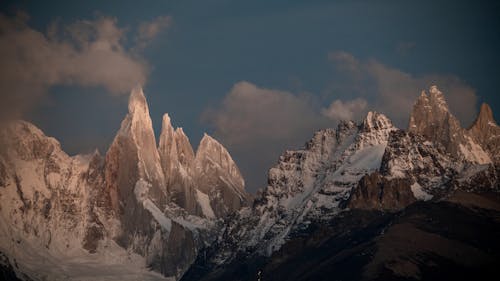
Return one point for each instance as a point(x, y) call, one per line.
point(83, 53)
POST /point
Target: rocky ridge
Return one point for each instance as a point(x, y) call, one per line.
point(370, 166)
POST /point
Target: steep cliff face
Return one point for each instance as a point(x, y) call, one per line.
point(487, 133)
point(177, 161)
point(54, 207)
point(375, 192)
point(432, 119)
point(219, 177)
point(133, 156)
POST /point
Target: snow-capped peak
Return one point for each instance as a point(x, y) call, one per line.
point(376, 121)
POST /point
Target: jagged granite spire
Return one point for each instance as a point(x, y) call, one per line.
point(133, 156)
point(177, 161)
point(486, 132)
point(219, 177)
point(432, 119)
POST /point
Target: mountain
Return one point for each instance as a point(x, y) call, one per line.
point(141, 207)
point(487, 133)
point(432, 119)
point(362, 201)
point(219, 177)
point(349, 203)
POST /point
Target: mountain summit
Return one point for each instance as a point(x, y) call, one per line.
point(487, 133)
point(432, 119)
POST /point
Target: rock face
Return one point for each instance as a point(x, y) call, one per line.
point(375, 192)
point(487, 133)
point(432, 119)
point(133, 156)
point(143, 205)
point(177, 161)
point(219, 177)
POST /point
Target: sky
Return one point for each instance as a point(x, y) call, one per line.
point(259, 76)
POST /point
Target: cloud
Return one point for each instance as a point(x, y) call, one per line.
point(348, 110)
point(393, 91)
point(249, 112)
point(257, 124)
point(83, 53)
point(147, 31)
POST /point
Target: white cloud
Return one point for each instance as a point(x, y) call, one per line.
point(348, 110)
point(249, 112)
point(84, 53)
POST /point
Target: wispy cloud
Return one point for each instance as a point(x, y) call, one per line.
point(83, 53)
point(393, 91)
point(148, 30)
point(345, 110)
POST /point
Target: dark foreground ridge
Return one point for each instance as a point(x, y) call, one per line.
point(425, 241)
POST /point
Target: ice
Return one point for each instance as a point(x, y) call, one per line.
point(204, 202)
point(420, 193)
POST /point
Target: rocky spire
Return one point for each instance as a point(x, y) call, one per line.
point(375, 129)
point(486, 132)
point(432, 119)
point(218, 176)
point(133, 156)
point(177, 161)
point(184, 149)
point(168, 149)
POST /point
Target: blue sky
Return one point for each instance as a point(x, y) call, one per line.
point(297, 57)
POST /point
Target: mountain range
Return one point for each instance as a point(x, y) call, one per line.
point(363, 201)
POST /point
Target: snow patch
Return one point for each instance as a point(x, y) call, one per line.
point(420, 193)
point(204, 202)
point(141, 190)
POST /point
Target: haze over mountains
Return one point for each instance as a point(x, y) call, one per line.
point(152, 210)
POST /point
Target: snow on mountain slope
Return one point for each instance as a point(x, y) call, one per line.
point(54, 210)
point(309, 183)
